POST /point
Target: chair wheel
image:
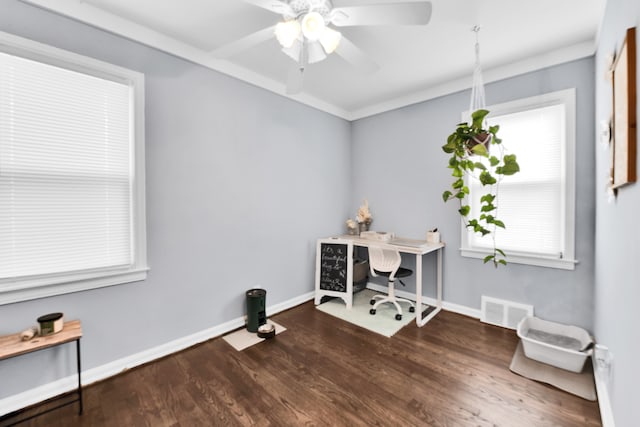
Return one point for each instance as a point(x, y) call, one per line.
point(372, 301)
point(372, 311)
point(398, 316)
point(412, 309)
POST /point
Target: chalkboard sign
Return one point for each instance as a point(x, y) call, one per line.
point(334, 269)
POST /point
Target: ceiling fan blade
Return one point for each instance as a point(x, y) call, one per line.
point(415, 13)
point(244, 43)
point(275, 6)
point(459, 12)
point(295, 80)
point(356, 57)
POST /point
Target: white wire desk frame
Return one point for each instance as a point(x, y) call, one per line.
point(419, 248)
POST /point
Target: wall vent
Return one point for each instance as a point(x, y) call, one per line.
point(503, 313)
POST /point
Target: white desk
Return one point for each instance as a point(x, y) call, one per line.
point(417, 248)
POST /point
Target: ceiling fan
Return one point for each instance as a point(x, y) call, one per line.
point(306, 35)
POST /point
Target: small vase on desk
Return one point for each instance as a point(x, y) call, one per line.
point(364, 226)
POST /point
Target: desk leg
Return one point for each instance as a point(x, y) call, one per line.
point(439, 278)
point(79, 376)
point(419, 290)
point(419, 320)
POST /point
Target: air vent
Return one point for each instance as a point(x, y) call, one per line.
point(503, 313)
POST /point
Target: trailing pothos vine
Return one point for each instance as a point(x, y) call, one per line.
point(471, 140)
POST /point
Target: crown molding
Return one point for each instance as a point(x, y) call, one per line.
point(534, 63)
point(91, 15)
point(96, 17)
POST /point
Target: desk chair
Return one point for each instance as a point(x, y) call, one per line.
point(384, 260)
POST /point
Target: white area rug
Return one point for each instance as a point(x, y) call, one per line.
point(383, 322)
point(242, 338)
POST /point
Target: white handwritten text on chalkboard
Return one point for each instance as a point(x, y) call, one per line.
point(333, 267)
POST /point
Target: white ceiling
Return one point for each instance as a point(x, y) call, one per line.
point(416, 62)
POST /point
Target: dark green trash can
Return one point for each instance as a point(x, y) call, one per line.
point(256, 306)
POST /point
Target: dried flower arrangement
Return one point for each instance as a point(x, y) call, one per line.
point(364, 215)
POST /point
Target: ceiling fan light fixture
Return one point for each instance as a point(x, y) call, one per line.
point(313, 26)
point(315, 52)
point(294, 50)
point(330, 39)
point(287, 32)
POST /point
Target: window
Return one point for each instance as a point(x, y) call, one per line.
point(538, 203)
point(71, 172)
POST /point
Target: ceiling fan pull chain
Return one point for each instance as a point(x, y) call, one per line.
point(304, 54)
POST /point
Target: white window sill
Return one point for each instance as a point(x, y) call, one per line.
point(51, 286)
point(537, 260)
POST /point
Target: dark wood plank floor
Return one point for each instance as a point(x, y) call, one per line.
point(322, 371)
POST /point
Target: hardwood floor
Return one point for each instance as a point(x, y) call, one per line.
point(322, 371)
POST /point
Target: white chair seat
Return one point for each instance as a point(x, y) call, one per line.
point(384, 260)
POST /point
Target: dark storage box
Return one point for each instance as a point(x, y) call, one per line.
point(360, 274)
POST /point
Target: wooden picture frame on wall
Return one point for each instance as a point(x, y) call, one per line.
point(624, 124)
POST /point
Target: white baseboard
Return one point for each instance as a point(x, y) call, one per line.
point(293, 302)
point(606, 412)
point(454, 308)
point(461, 309)
point(64, 385)
point(89, 376)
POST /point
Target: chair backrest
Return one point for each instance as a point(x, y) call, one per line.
point(384, 258)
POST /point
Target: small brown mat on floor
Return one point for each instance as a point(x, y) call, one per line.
point(242, 338)
point(581, 384)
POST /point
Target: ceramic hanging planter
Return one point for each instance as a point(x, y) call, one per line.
point(483, 138)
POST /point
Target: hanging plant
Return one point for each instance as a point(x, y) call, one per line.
point(466, 144)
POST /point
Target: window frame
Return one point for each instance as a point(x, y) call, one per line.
point(567, 261)
point(14, 290)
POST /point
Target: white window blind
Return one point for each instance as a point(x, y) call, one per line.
point(67, 174)
point(530, 202)
point(536, 204)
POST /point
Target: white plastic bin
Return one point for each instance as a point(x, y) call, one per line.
point(563, 346)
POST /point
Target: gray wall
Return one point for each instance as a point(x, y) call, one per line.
point(237, 194)
point(400, 167)
point(232, 172)
point(617, 271)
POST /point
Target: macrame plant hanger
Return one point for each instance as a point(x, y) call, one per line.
point(477, 87)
